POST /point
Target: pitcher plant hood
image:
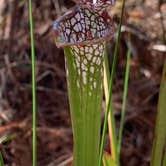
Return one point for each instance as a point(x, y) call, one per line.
point(86, 23)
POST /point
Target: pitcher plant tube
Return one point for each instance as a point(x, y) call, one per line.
point(83, 33)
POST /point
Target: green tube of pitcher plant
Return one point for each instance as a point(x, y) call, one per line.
point(83, 32)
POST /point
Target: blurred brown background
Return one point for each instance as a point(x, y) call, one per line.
point(144, 20)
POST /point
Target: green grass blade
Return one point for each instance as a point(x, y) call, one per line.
point(1, 160)
point(105, 120)
point(34, 150)
point(111, 119)
point(111, 85)
point(124, 100)
point(159, 144)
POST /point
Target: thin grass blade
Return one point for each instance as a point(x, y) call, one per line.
point(111, 119)
point(34, 150)
point(110, 87)
point(124, 100)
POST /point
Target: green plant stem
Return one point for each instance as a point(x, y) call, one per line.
point(34, 148)
point(124, 101)
point(1, 160)
point(159, 144)
point(111, 86)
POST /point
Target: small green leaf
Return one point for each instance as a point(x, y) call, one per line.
point(7, 138)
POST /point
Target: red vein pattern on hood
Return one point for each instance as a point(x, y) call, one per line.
point(82, 26)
